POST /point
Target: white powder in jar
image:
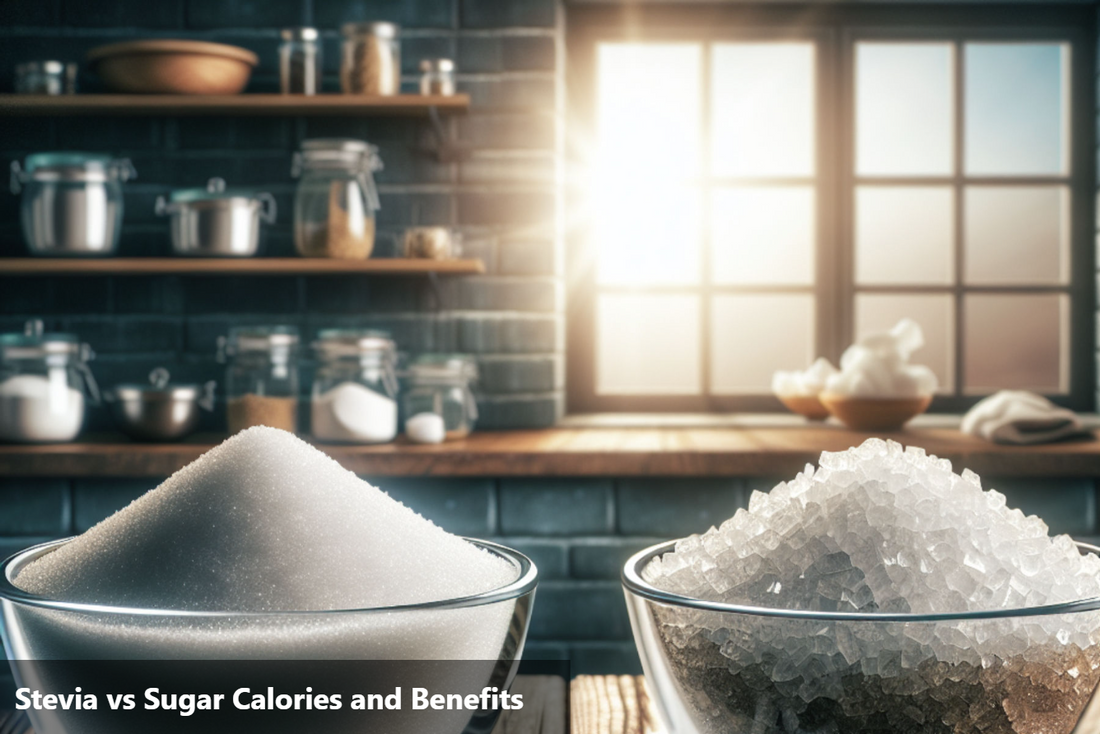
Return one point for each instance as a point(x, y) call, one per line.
point(354, 413)
point(39, 409)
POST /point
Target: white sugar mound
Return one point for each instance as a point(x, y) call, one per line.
point(264, 522)
point(808, 382)
point(878, 366)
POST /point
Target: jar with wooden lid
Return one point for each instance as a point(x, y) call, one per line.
point(336, 199)
point(261, 379)
point(370, 58)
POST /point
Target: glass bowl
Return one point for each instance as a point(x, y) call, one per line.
point(714, 667)
point(483, 634)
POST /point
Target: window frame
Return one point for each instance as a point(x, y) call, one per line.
point(834, 30)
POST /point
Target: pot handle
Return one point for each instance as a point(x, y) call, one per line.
point(267, 208)
point(86, 355)
point(206, 402)
point(16, 184)
point(164, 207)
point(125, 169)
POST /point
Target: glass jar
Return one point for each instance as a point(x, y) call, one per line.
point(355, 388)
point(443, 384)
point(261, 380)
point(300, 61)
point(437, 77)
point(45, 77)
point(336, 199)
point(72, 202)
point(43, 379)
point(371, 58)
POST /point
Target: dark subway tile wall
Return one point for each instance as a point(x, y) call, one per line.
point(579, 531)
point(502, 196)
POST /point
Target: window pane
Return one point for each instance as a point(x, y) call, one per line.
point(904, 234)
point(1016, 108)
point(904, 109)
point(1016, 341)
point(763, 235)
point(1017, 234)
point(647, 345)
point(762, 109)
point(934, 313)
point(752, 336)
point(649, 236)
point(643, 193)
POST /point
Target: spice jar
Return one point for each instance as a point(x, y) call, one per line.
point(432, 243)
point(442, 384)
point(355, 388)
point(336, 198)
point(45, 77)
point(43, 379)
point(371, 59)
point(261, 380)
point(299, 61)
point(437, 77)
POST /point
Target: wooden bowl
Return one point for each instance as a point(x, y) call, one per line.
point(874, 414)
point(173, 67)
point(807, 406)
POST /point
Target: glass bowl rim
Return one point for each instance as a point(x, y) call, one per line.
point(524, 583)
point(634, 583)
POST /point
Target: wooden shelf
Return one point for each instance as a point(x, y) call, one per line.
point(235, 104)
point(623, 452)
point(235, 266)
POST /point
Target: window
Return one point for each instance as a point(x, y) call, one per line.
point(755, 187)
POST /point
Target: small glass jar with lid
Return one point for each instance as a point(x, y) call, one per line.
point(299, 61)
point(261, 379)
point(371, 58)
point(336, 199)
point(437, 77)
point(442, 384)
point(355, 387)
point(43, 381)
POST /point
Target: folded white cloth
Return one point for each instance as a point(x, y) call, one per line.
point(1021, 417)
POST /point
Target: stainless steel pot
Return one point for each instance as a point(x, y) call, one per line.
point(216, 221)
point(159, 411)
point(72, 202)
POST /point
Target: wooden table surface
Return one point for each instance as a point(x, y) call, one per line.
point(681, 451)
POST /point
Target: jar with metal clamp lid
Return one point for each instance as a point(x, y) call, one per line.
point(355, 388)
point(43, 380)
point(261, 379)
point(442, 384)
point(336, 199)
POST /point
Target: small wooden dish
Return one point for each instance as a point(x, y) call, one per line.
point(807, 406)
point(173, 67)
point(874, 414)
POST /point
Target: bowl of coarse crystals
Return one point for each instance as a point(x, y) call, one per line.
point(879, 593)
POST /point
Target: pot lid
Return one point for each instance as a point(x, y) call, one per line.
point(35, 342)
point(215, 190)
point(159, 388)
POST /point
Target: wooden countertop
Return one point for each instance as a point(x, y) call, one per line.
point(679, 451)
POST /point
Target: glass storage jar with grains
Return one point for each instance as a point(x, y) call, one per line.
point(371, 58)
point(442, 385)
point(43, 378)
point(261, 381)
point(299, 61)
point(336, 199)
point(355, 389)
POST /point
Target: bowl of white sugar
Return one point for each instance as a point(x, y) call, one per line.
point(266, 549)
point(881, 592)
